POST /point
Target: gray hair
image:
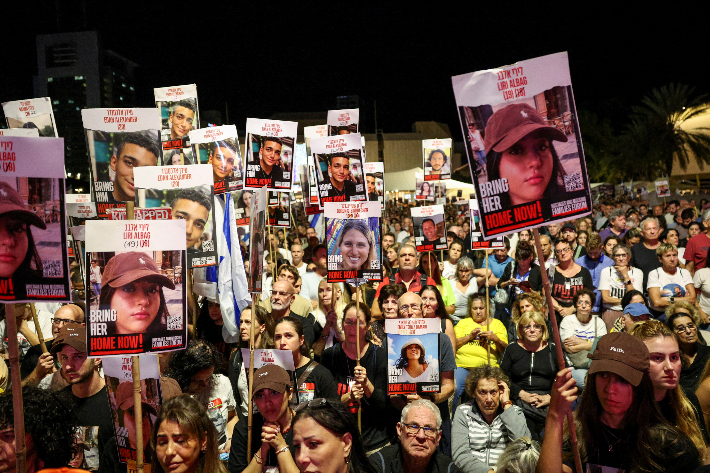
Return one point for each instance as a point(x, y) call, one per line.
point(464, 262)
point(425, 403)
point(622, 247)
point(409, 245)
point(616, 213)
point(650, 219)
point(520, 456)
point(706, 215)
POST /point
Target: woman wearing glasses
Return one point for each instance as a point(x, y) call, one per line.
point(363, 382)
point(568, 278)
point(531, 365)
point(683, 320)
point(615, 281)
point(578, 333)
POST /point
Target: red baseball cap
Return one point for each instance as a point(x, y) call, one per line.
point(509, 125)
point(125, 268)
point(11, 203)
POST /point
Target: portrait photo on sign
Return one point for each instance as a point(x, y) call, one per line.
point(413, 363)
point(424, 190)
point(177, 118)
point(225, 158)
point(33, 246)
point(42, 123)
point(269, 161)
point(113, 157)
point(140, 302)
point(278, 206)
point(353, 248)
point(242, 205)
point(340, 177)
point(429, 232)
point(437, 159)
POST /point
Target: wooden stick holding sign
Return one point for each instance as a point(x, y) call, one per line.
point(488, 315)
point(17, 405)
point(38, 329)
point(556, 335)
point(136, 372)
point(250, 415)
point(357, 282)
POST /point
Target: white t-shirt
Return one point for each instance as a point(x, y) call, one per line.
point(670, 284)
point(218, 399)
point(701, 281)
point(303, 269)
point(309, 287)
point(611, 281)
point(449, 271)
point(430, 374)
point(572, 327)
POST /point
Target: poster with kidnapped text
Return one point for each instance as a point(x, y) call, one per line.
point(524, 145)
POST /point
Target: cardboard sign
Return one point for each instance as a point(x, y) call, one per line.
point(437, 159)
point(270, 154)
point(338, 166)
point(343, 122)
point(218, 146)
point(429, 227)
point(375, 180)
point(477, 241)
point(413, 355)
point(257, 240)
point(33, 114)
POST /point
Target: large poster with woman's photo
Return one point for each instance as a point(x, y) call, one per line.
point(413, 356)
point(524, 146)
point(140, 305)
point(34, 265)
point(353, 239)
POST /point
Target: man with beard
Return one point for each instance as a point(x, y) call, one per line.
point(372, 194)
point(282, 296)
point(86, 392)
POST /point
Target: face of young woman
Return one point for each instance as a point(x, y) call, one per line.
point(454, 253)
point(389, 307)
point(584, 305)
point(686, 330)
point(318, 450)
point(582, 239)
point(430, 303)
point(526, 306)
point(325, 293)
point(286, 338)
point(614, 392)
point(665, 362)
point(245, 326)
point(527, 165)
point(391, 255)
point(136, 305)
point(672, 237)
point(272, 404)
point(13, 245)
point(609, 247)
point(177, 451)
point(355, 249)
point(413, 352)
point(352, 323)
point(478, 311)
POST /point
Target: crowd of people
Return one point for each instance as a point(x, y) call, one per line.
point(630, 292)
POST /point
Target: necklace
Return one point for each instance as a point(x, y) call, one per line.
point(611, 445)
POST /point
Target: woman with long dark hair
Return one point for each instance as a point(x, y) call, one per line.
point(429, 265)
point(433, 306)
point(683, 320)
point(522, 270)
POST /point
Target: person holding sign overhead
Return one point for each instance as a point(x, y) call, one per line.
point(519, 149)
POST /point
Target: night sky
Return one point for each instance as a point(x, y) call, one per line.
point(266, 57)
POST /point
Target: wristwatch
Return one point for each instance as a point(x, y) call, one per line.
point(628, 282)
point(672, 299)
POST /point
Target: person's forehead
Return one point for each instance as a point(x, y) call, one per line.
point(422, 415)
point(196, 209)
point(272, 144)
point(487, 384)
point(340, 160)
point(282, 285)
point(409, 298)
point(224, 151)
point(180, 110)
point(68, 312)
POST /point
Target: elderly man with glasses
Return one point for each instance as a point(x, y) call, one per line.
point(282, 296)
point(419, 433)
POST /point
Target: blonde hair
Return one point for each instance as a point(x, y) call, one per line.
point(338, 306)
point(535, 317)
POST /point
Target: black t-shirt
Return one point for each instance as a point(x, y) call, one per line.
point(644, 259)
point(238, 460)
point(564, 288)
point(348, 190)
point(318, 383)
point(276, 176)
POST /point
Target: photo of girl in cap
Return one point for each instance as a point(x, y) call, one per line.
point(518, 146)
point(133, 288)
point(414, 365)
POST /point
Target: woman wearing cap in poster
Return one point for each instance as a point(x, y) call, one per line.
point(436, 162)
point(19, 258)
point(133, 288)
point(411, 362)
point(356, 245)
point(618, 422)
point(272, 437)
point(519, 148)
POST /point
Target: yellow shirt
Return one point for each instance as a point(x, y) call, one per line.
point(474, 353)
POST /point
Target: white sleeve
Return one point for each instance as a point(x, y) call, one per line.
point(601, 326)
point(567, 327)
point(637, 278)
point(687, 278)
point(653, 279)
point(605, 279)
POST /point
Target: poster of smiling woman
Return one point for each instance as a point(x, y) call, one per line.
point(140, 306)
point(353, 239)
point(413, 356)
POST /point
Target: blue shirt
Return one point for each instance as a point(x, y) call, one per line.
point(497, 268)
point(595, 269)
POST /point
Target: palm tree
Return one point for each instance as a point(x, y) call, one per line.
point(655, 137)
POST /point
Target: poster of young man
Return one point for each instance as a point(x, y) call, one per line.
point(663, 189)
point(187, 191)
point(219, 147)
point(269, 154)
point(429, 227)
point(343, 122)
point(141, 303)
point(119, 140)
point(257, 238)
point(34, 265)
point(477, 241)
point(119, 382)
point(178, 116)
point(437, 159)
point(375, 180)
point(338, 163)
point(413, 356)
point(532, 170)
point(33, 114)
point(279, 205)
point(353, 239)
point(310, 132)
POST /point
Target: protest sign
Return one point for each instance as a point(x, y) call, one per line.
point(413, 356)
point(34, 262)
point(119, 140)
point(187, 191)
point(219, 147)
point(437, 159)
point(81, 210)
point(242, 206)
point(318, 131)
point(531, 170)
point(353, 239)
point(338, 166)
point(375, 179)
point(269, 356)
point(160, 213)
point(429, 227)
point(343, 122)
point(477, 241)
point(141, 305)
point(26, 132)
point(663, 189)
point(33, 114)
point(269, 154)
point(119, 383)
point(179, 115)
point(257, 235)
point(279, 204)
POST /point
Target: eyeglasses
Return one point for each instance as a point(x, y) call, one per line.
point(350, 322)
point(413, 429)
point(579, 303)
point(532, 327)
point(282, 293)
point(414, 308)
point(620, 255)
point(562, 251)
point(57, 321)
point(685, 328)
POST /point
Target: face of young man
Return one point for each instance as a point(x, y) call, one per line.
point(270, 154)
point(387, 241)
point(370, 184)
point(222, 161)
point(132, 156)
point(181, 122)
point(339, 169)
point(195, 216)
